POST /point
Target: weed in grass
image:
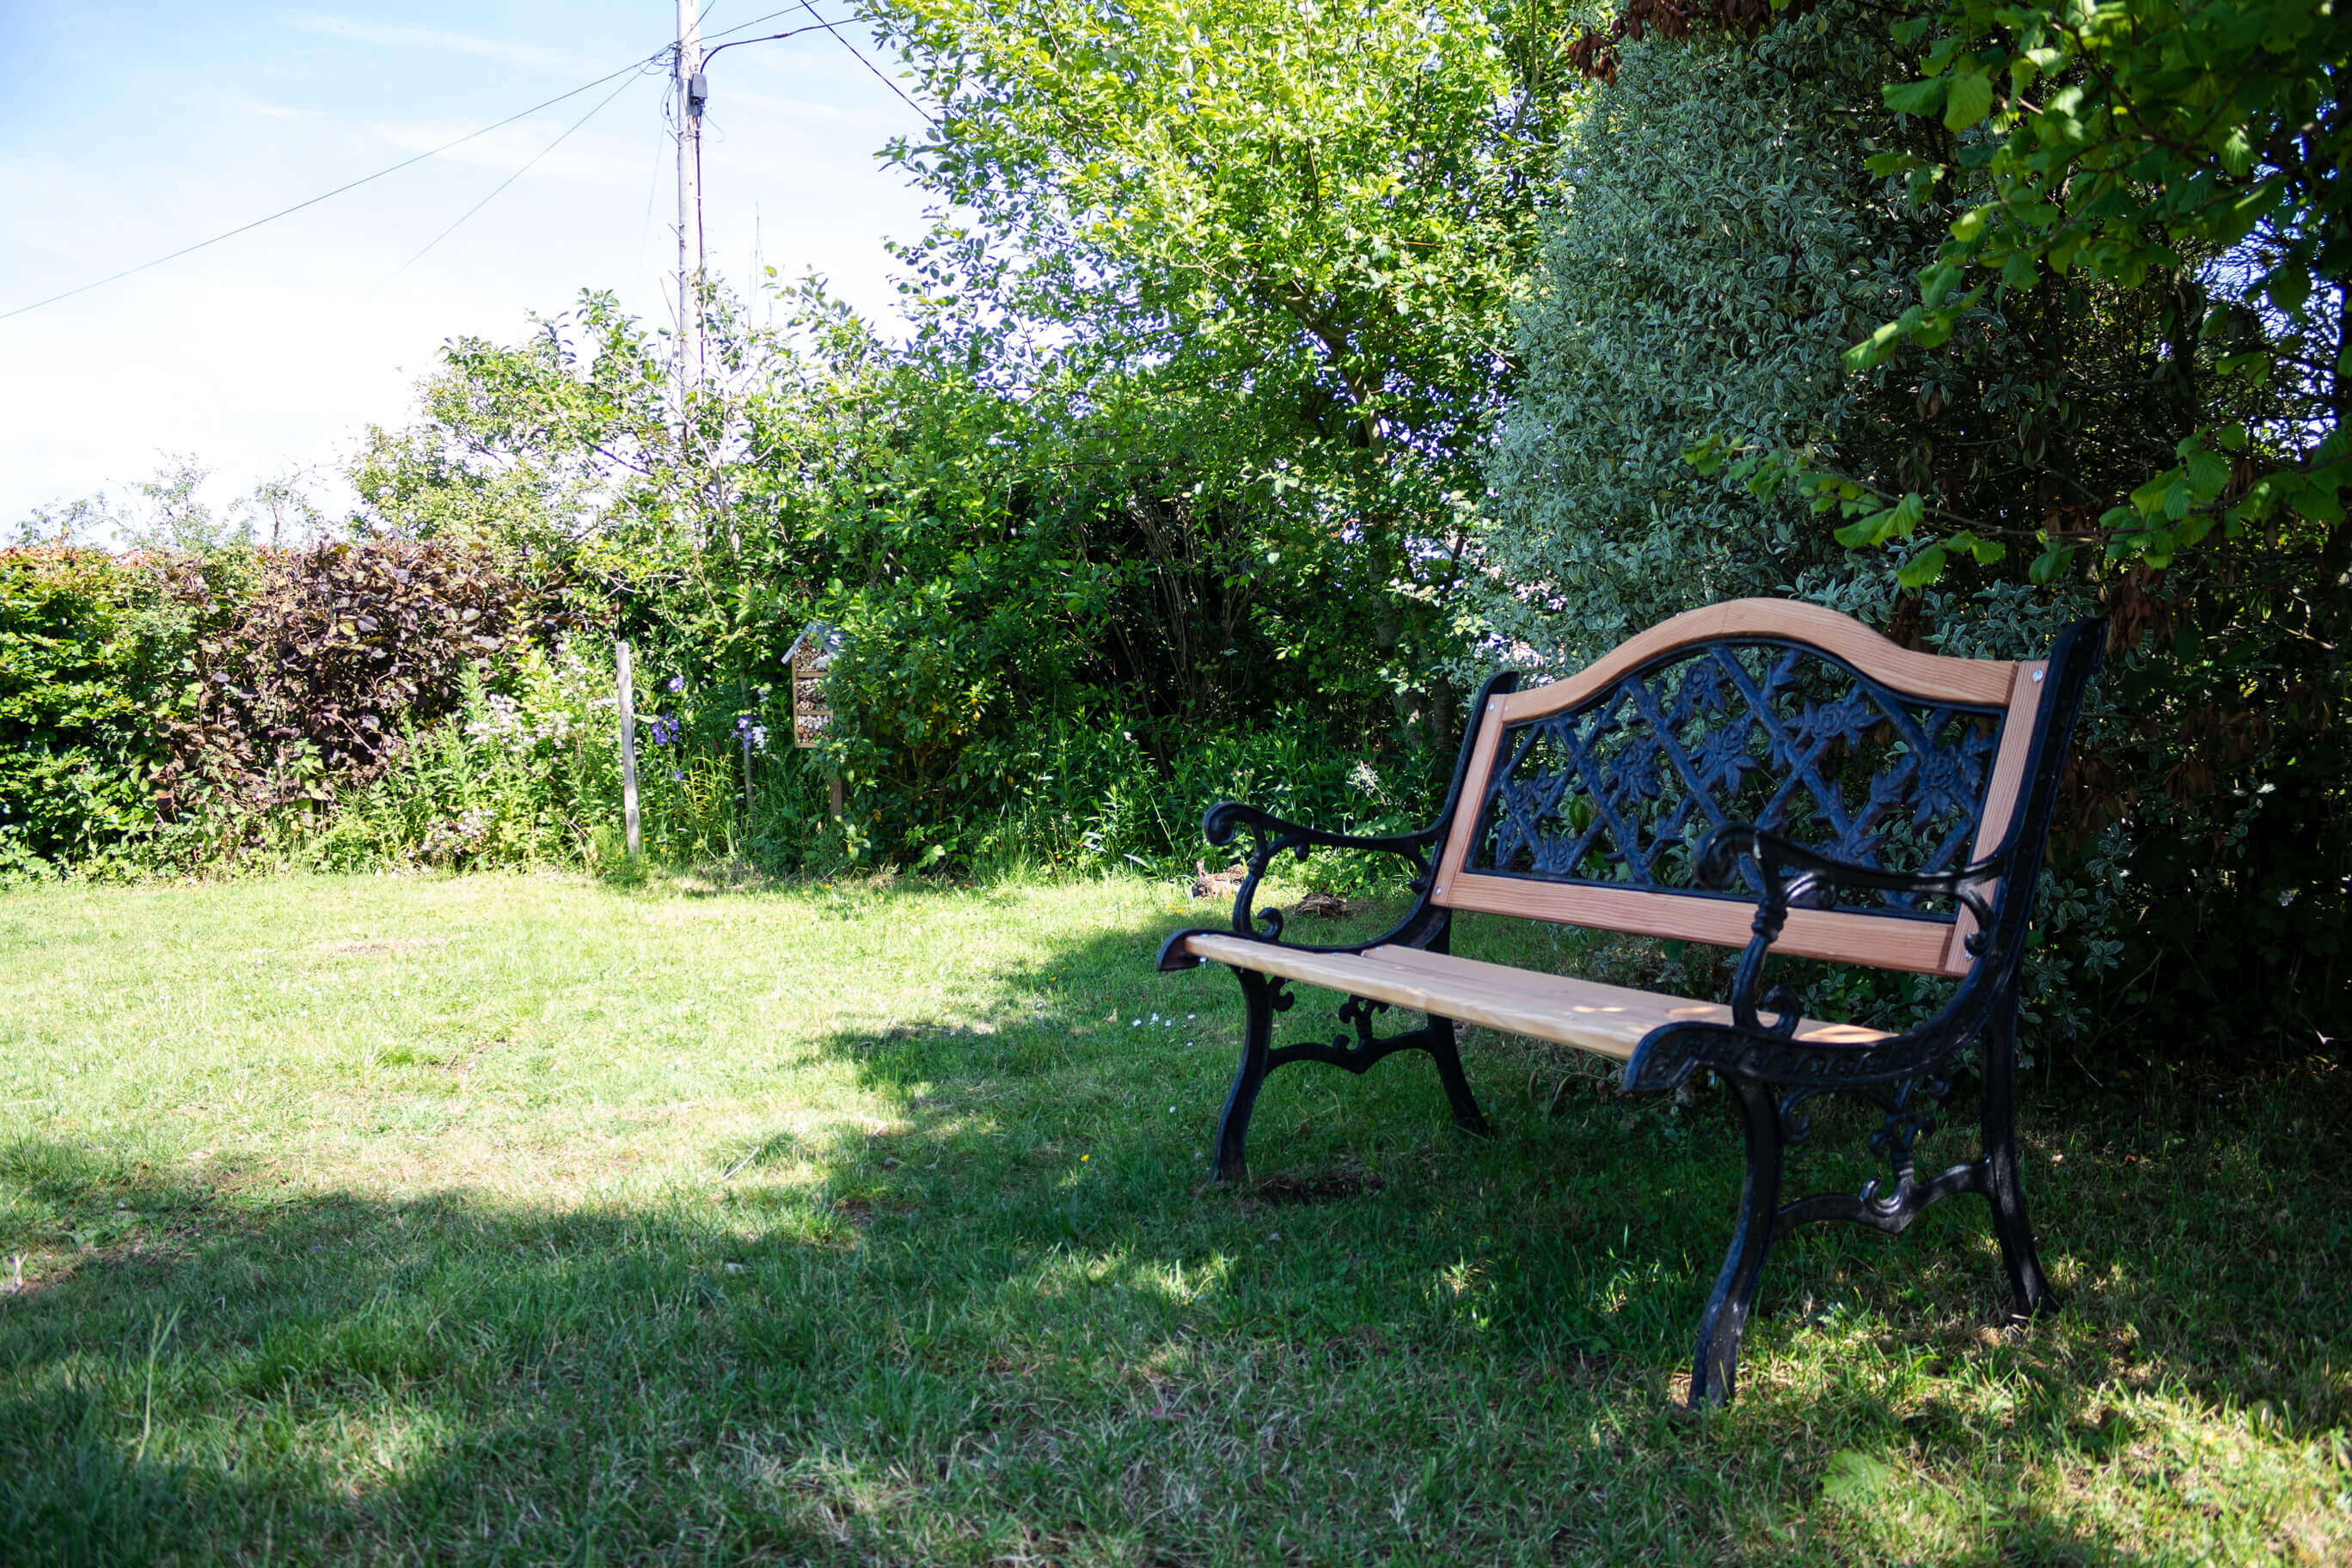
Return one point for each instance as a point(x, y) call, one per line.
point(535, 1219)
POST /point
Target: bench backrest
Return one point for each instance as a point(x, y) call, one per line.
point(1585, 800)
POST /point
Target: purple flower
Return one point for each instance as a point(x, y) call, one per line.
point(678, 683)
point(677, 775)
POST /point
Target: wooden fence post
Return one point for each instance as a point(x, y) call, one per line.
point(624, 684)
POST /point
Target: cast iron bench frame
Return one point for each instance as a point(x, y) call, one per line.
point(2021, 717)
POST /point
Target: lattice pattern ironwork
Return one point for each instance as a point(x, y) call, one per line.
point(1622, 790)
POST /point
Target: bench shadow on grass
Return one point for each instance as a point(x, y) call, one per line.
point(1014, 1323)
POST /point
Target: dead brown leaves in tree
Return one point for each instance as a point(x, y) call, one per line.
point(1594, 55)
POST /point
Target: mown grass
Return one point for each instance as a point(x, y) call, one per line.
point(504, 1219)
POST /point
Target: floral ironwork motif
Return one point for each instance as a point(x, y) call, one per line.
point(1623, 789)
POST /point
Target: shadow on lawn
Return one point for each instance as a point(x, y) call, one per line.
point(332, 1378)
point(1012, 1325)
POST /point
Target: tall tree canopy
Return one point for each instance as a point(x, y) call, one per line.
point(1283, 234)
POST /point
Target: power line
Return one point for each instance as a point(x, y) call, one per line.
point(633, 65)
point(653, 187)
point(510, 180)
point(835, 29)
point(869, 65)
point(747, 26)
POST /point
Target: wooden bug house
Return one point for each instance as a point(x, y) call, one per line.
point(809, 657)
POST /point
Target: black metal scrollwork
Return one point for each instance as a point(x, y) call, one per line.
point(1357, 1047)
point(1360, 1012)
point(1785, 737)
point(1272, 837)
point(1909, 1112)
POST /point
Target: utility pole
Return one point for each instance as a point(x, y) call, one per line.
point(691, 92)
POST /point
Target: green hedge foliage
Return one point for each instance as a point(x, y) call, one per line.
point(91, 653)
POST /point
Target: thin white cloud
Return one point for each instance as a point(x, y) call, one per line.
point(801, 108)
point(269, 111)
point(596, 154)
point(504, 50)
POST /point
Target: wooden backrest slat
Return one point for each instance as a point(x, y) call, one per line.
point(2008, 783)
point(1974, 683)
point(1470, 812)
point(1892, 939)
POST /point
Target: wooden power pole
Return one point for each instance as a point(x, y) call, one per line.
point(691, 92)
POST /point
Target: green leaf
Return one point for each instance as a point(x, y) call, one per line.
point(1860, 535)
point(1941, 324)
point(1970, 100)
point(1923, 568)
point(1985, 551)
point(2019, 271)
point(1896, 522)
point(2208, 474)
point(2288, 286)
point(2046, 564)
point(1880, 342)
point(1916, 96)
point(1854, 1478)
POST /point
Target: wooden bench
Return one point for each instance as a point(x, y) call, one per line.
point(1763, 774)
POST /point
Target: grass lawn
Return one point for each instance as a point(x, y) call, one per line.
point(509, 1219)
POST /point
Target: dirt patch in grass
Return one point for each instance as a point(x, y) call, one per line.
point(383, 947)
point(1324, 1187)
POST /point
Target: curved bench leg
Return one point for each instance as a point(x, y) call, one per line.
point(1714, 1374)
point(1233, 1127)
point(1442, 1050)
point(2003, 1185)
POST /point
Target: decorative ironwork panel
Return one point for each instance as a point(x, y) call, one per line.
point(1622, 790)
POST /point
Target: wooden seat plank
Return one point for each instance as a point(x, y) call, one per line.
point(1608, 1020)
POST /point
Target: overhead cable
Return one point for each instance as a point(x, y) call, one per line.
point(665, 51)
point(633, 65)
point(510, 180)
point(829, 26)
point(869, 65)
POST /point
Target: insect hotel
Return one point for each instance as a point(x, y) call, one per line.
point(809, 657)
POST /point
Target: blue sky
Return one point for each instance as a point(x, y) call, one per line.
point(127, 132)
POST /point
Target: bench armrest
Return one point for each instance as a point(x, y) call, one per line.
point(1791, 872)
point(1229, 817)
point(1273, 834)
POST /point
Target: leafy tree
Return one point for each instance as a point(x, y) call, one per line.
point(2099, 369)
point(1714, 247)
point(1290, 264)
point(2205, 144)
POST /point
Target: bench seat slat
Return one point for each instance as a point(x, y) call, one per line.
point(1609, 1020)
